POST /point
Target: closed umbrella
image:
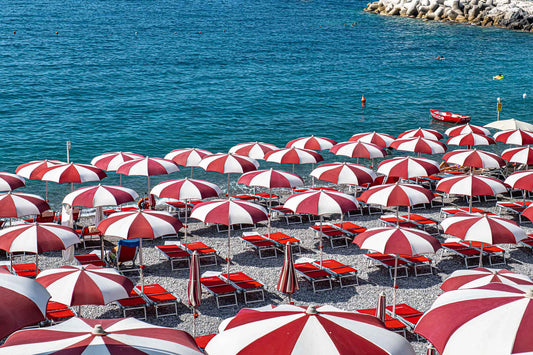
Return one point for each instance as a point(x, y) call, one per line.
point(422, 132)
point(312, 142)
point(462, 279)
point(228, 163)
point(381, 307)
point(194, 288)
point(188, 157)
point(380, 139)
point(254, 150)
point(288, 280)
point(10, 182)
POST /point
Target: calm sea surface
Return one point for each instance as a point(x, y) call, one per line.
point(149, 77)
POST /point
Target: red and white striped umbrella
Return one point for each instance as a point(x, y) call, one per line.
point(16, 204)
point(490, 320)
point(474, 158)
point(101, 336)
point(227, 163)
point(344, 173)
point(522, 155)
point(85, 284)
point(147, 167)
point(111, 161)
point(187, 156)
point(271, 179)
point(521, 180)
point(312, 142)
point(254, 150)
point(358, 150)
point(466, 128)
point(100, 195)
point(419, 145)
point(463, 279)
point(140, 224)
point(380, 139)
point(408, 167)
point(311, 331)
point(10, 182)
point(72, 172)
point(528, 213)
point(422, 132)
point(194, 287)
point(23, 303)
point(397, 194)
point(37, 238)
point(514, 136)
point(288, 280)
point(293, 156)
point(470, 139)
point(34, 169)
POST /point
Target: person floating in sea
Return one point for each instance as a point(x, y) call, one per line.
point(440, 57)
point(498, 77)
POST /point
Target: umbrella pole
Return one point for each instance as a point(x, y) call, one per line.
point(481, 255)
point(408, 213)
point(394, 286)
point(36, 264)
point(120, 179)
point(102, 255)
point(293, 168)
point(186, 226)
point(269, 210)
point(46, 191)
point(397, 216)
point(148, 185)
point(71, 187)
point(229, 246)
point(320, 243)
point(470, 204)
point(288, 294)
point(141, 267)
point(192, 171)
point(312, 177)
point(228, 185)
point(523, 198)
point(194, 315)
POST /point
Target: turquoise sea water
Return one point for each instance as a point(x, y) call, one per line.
point(150, 77)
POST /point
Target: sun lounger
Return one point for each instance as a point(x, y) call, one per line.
point(203, 340)
point(450, 211)
point(388, 261)
point(513, 207)
point(220, 289)
point(280, 211)
point(261, 244)
point(58, 312)
point(466, 252)
point(391, 324)
point(266, 196)
point(90, 237)
point(390, 220)
point(332, 234)
point(245, 197)
point(247, 285)
point(491, 251)
point(282, 239)
point(315, 275)
point(422, 265)
point(206, 254)
point(90, 259)
point(349, 228)
point(405, 314)
point(25, 269)
point(132, 303)
point(421, 222)
point(159, 297)
point(345, 274)
point(372, 209)
point(178, 257)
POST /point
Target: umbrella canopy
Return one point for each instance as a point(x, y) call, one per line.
point(419, 145)
point(422, 132)
point(466, 128)
point(344, 173)
point(288, 280)
point(10, 182)
point(358, 149)
point(522, 155)
point(34, 169)
point(380, 139)
point(321, 202)
point(111, 161)
point(228, 163)
point(254, 150)
point(397, 240)
point(312, 142)
point(474, 158)
point(101, 195)
point(463, 279)
point(514, 136)
point(528, 213)
point(491, 320)
point(102, 336)
point(471, 185)
point(408, 167)
point(23, 303)
point(293, 156)
point(186, 189)
point(37, 238)
point(85, 284)
point(470, 139)
point(187, 156)
point(521, 180)
point(147, 167)
point(72, 172)
point(510, 124)
point(140, 224)
point(271, 179)
point(315, 330)
point(397, 194)
point(16, 204)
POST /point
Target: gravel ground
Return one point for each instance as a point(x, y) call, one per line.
point(418, 292)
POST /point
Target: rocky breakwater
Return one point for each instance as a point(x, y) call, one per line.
point(511, 14)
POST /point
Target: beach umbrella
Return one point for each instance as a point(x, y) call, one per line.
point(474, 158)
point(73, 173)
point(408, 167)
point(419, 145)
point(528, 213)
point(33, 169)
point(147, 167)
point(491, 320)
point(228, 163)
point(462, 279)
point(37, 238)
point(77, 285)
point(522, 155)
point(471, 185)
point(254, 150)
point(186, 190)
point(397, 241)
point(17, 204)
point(470, 139)
point(289, 329)
point(466, 128)
point(321, 203)
point(194, 288)
point(229, 212)
point(288, 280)
point(293, 156)
point(188, 157)
point(484, 229)
point(101, 336)
point(271, 179)
point(422, 132)
point(111, 161)
point(521, 180)
point(381, 308)
point(23, 302)
point(100, 195)
point(10, 182)
point(380, 139)
point(344, 174)
point(312, 142)
point(358, 150)
point(510, 124)
point(514, 136)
